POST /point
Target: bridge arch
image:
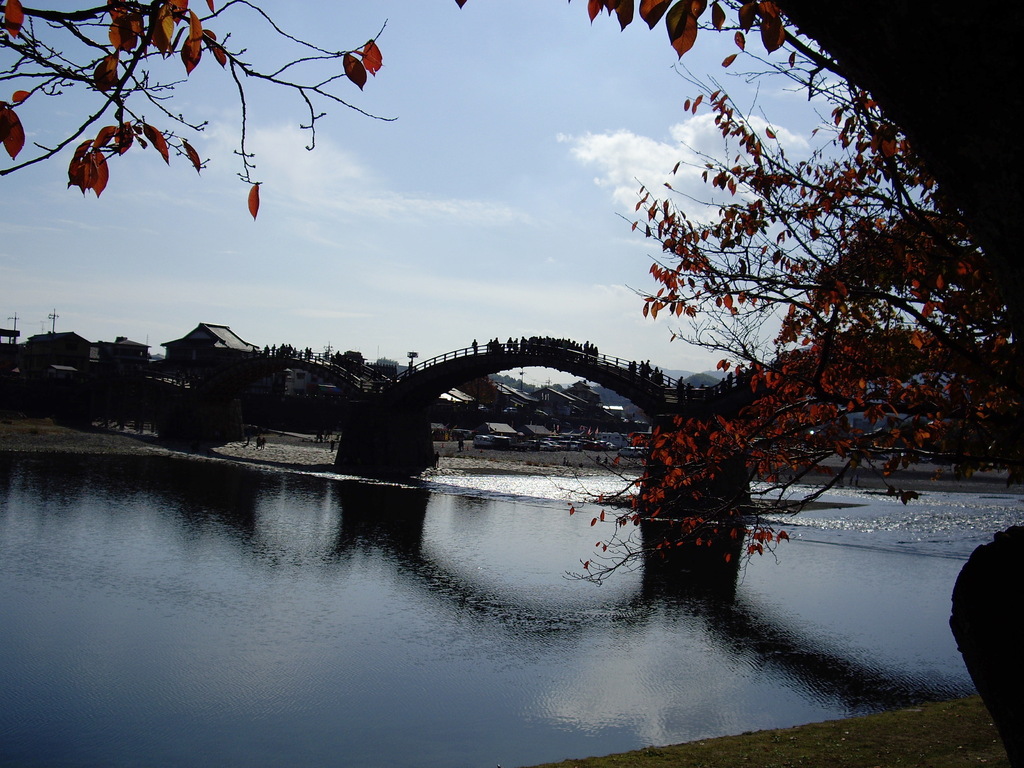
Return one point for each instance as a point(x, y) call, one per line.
point(226, 382)
point(418, 387)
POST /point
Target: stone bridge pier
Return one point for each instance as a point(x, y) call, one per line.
point(192, 418)
point(381, 441)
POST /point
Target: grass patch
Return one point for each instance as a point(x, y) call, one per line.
point(949, 734)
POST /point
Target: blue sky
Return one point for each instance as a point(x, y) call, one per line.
point(490, 207)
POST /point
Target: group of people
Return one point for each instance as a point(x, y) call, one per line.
point(534, 344)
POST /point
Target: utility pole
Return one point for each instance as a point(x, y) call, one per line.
point(15, 319)
point(53, 321)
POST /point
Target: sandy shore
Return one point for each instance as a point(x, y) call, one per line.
point(302, 453)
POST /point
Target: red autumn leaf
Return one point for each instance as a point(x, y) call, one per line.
point(717, 16)
point(79, 169)
point(254, 200)
point(104, 136)
point(651, 11)
point(192, 155)
point(14, 17)
point(11, 131)
point(681, 22)
point(747, 15)
point(157, 140)
point(125, 30)
point(372, 59)
point(215, 47)
point(594, 7)
point(624, 12)
point(773, 33)
point(728, 60)
point(354, 70)
point(100, 173)
point(209, 4)
point(125, 138)
point(105, 76)
point(192, 50)
point(19, 96)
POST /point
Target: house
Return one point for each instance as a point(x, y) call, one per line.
point(9, 352)
point(560, 404)
point(58, 355)
point(207, 346)
point(510, 400)
point(496, 428)
point(122, 355)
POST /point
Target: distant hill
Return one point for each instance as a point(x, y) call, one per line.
point(705, 379)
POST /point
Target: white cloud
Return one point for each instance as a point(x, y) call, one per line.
point(627, 160)
point(331, 179)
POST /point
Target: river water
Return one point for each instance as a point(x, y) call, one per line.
point(159, 612)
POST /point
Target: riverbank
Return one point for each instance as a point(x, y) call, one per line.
point(948, 734)
point(285, 450)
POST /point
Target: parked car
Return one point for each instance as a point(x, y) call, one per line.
point(483, 441)
point(633, 452)
point(526, 445)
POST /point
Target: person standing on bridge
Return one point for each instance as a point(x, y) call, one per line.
point(474, 346)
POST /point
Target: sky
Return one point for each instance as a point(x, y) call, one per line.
point(497, 202)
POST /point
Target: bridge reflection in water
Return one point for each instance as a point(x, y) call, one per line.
point(200, 613)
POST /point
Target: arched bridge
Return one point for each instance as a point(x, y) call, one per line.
point(352, 377)
point(387, 431)
point(421, 385)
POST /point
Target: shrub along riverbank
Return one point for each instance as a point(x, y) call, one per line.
point(949, 734)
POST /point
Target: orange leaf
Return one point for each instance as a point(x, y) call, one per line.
point(157, 140)
point(19, 96)
point(163, 29)
point(105, 76)
point(100, 172)
point(215, 47)
point(254, 200)
point(79, 169)
point(728, 60)
point(372, 59)
point(104, 136)
point(125, 138)
point(14, 17)
point(125, 30)
point(651, 11)
point(192, 49)
point(681, 22)
point(773, 33)
point(624, 11)
point(354, 70)
point(209, 4)
point(11, 131)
